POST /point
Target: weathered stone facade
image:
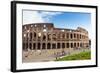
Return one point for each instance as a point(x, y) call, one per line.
point(42, 36)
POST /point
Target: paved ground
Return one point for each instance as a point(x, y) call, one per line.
point(47, 55)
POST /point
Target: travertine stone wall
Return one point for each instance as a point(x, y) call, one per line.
point(42, 36)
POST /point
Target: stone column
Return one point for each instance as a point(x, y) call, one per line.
point(65, 44)
point(69, 44)
point(76, 44)
point(64, 36)
point(41, 40)
point(61, 45)
point(69, 36)
point(46, 40)
point(41, 46)
point(32, 41)
point(76, 35)
point(79, 44)
point(56, 41)
point(56, 45)
point(28, 40)
point(51, 40)
point(36, 38)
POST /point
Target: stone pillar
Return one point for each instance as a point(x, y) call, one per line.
point(61, 45)
point(76, 35)
point(41, 46)
point(69, 36)
point(28, 40)
point(72, 35)
point(79, 44)
point(65, 44)
point(64, 36)
point(56, 41)
point(46, 40)
point(76, 44)
point(56, 45)
point(69, 45)
point(41, 40)
point(31, 41)
point(36, 38)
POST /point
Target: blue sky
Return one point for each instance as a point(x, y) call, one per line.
point(70, 20)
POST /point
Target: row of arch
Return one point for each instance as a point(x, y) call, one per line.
point(34, 36)
point(38, 46)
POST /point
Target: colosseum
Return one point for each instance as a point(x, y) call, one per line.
point(45, 36)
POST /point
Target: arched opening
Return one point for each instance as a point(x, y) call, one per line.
point(63, 36)
point(80, 36)
point(30, 36)
point(63, 45)
point(43, 46)
point(38, 46)
point(74, 35)
point(67, 35)
point(48, 46)
point(77, 44)
point(71, 36)
point(80, 44)
point(67, 45)
point(53, 46)
point(77, 36)
point(58, 45)
point(44, 37)
point(34, 46)
point(74, 44)
point(30, 46)
point(71, 45)
point(26, 45)
point(34, 35)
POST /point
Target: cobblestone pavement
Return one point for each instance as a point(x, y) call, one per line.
point(48, 55)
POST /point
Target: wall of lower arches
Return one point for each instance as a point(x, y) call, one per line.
point(57, 45)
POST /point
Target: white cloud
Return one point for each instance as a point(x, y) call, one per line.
point(31, 17)
point(38, 16)
point(48, 15)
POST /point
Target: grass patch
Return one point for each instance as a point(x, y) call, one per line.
point(80, 56)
